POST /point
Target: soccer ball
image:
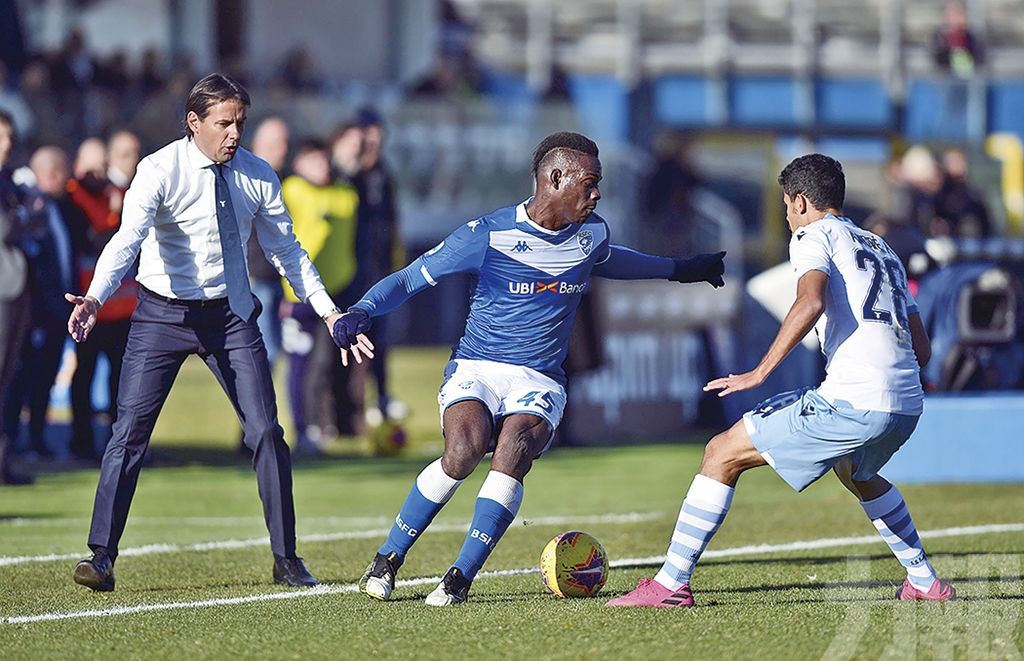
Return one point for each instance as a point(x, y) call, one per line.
point(387, 439)
point(574, 564)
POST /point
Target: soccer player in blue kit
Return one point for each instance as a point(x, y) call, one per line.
point(504, 388)
point(851, 288)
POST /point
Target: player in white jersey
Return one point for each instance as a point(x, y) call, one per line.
point(852, 289)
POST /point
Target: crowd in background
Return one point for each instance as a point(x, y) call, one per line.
point(57, 212)
point(74, 124)
point(341, 197)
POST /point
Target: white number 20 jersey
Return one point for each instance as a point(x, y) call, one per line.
point(864, 332)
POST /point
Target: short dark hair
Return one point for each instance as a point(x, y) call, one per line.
point(817, 177)
point(210, 91)
point(562, 140)
point(309, 145)
point(368, 116)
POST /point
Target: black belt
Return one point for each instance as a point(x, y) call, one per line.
point(196, 304)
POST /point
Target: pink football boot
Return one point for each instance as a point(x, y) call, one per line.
point(651, 594)
point(939, 591)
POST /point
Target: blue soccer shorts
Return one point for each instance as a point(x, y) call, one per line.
point(802, 436)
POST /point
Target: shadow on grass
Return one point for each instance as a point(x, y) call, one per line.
point(839, 559)
point(178, 456)
point(829, 588)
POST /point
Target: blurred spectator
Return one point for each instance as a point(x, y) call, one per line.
point(12, 46)
point(380, 249)
point(111, 97)
point(72, 72)
point(678, 212)
point(14, 294)
point(36, 91)
point(123, 153)
point(452, 76)
point(347, 152)
point(101, 177)
point(916, 184)
point(325, 221)
point(51, 272)
point(14, 104)
point(955, 49)
point(958, 202)
point(163, 110)
point(151, 77)
point(456, 72)
point(73, 67)
point(269, 142)
point(298, 72)
point(959, 54)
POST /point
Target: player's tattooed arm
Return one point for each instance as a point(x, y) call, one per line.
point(809, 304)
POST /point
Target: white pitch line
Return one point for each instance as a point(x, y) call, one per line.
point(759, 549)
point(826, 543)
point(30, 522)
point(631, 517)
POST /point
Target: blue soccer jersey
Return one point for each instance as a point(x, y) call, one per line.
point(529, 281)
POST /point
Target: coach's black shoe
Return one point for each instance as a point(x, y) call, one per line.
point(453, 589)
point(379, 580)
point(291, 571)
point(96, 572)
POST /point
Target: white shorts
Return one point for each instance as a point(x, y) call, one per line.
point(504, 389)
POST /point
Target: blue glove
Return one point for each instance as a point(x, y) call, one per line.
point(347, 327)
point(706, 267)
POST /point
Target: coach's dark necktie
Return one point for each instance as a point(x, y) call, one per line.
point(235, 275)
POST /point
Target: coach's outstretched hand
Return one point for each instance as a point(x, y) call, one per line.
point(348, 333)
point(83, 316)
point(706, 267)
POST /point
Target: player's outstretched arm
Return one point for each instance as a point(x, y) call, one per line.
point(349, 329)
point(627, 264)
point(809, 304)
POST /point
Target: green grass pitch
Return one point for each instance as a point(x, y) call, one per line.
point(832, 599)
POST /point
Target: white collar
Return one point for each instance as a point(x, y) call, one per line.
point(523, 217)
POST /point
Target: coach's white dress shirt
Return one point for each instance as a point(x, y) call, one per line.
point(169, 215)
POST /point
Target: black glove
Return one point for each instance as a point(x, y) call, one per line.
point(347, 327)
point(706, 267)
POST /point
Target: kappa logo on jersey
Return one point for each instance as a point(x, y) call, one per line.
point(557, 287)
point(522, 246)
point(586, 241)
point(473, 224)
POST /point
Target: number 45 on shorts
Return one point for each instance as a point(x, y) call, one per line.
point(539, 399)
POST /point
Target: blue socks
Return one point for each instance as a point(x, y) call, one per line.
point(892, 519)
point(496, 506)
point(704, 508)
point(433, 488)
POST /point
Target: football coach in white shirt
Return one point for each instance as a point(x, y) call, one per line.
point(187, 216)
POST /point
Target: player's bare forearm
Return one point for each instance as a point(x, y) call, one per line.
point(921, 342)
point(809, 304)
point(798, 322)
